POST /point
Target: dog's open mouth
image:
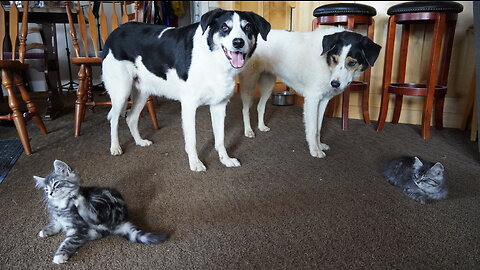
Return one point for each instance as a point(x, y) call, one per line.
point(236, 59)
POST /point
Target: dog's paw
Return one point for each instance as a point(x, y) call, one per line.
point(144, 143)
point(230, 162)
point(197, 166)
point(323, 146)
point(61, 258)
point(263, 128)
point(116, 150)
point(249, 134)
point(317, 153)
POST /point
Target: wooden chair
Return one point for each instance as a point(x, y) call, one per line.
point(350, 15)
point(12, 76)
point(443, 15)
point(88, 58)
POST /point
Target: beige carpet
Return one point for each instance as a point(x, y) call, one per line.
point(282, 209)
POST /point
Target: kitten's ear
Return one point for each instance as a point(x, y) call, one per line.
point(40, 181)
point(61, 168)
point(437, 169)
point(417, 164)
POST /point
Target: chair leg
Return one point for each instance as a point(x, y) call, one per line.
point(345, 104)
point(387, 73)
point(151, 111)
point(18, 80)
point(17, 116)
point(398, 108)
point(80, 102)
point(438, 31)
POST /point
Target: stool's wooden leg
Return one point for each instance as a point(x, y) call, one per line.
point(18, 80)
point(80, 102)
point(402, 67)
point(17, 116)
point(331, 107)
point(366, 78)
point(387, 73)
point(439, 104)
point(438, 31)
point(151, 111)
point(345, 105)
point(398, 108)
point(443, 76)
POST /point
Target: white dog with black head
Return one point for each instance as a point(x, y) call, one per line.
point(195, 65)
point(318, 65)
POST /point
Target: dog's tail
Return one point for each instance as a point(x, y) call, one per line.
point(133, 234)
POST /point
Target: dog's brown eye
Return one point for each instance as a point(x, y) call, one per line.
point(248, 27)
point(352, 63)
point(225, 27)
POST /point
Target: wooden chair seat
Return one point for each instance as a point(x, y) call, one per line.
point(13, 65)
point(86, 60)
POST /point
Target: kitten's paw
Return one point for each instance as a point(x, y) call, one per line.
point(42, 234)
point(323, 146)
point(116, 150)
point(249, 134)
point(421, 200)
point(197, 166)
point(230, 162)
point(263, 128)
point(144, 143)
point(61, 258)
point(317, 153)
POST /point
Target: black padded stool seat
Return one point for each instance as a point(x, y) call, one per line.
point(425, 6)
point(350, 15)
point(344, 9)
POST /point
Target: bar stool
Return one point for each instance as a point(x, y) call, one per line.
point(348, 14)
point(443, 15)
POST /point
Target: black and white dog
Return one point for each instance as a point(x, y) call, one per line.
point(318, 65)
point(195, 65)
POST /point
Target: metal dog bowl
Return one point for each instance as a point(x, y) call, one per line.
point(283, 98)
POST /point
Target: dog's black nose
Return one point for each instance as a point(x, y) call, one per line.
point(335, 84)
point(238, 43)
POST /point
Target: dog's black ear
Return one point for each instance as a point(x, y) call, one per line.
point(262, 25)
point(209, 17)
point(370, 50)
point(329, 42)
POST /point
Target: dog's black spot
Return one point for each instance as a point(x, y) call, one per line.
point(172, 50)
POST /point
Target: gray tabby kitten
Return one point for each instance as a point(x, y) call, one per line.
point(419, 179)
point(85, 213)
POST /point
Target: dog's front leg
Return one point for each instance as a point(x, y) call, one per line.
point(188, 123)
point(310, 115)
point(321, 112)
point(217, 113)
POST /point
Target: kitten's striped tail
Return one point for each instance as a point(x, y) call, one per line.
point(133, 234)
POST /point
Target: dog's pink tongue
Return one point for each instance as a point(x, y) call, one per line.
point(237, 59)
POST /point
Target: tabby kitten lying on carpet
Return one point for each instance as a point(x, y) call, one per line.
point(85, 213)
point(419, 179)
